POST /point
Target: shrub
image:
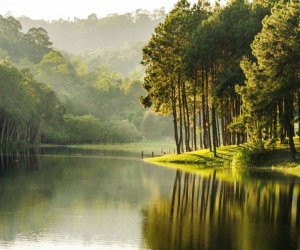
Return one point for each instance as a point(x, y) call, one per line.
point(248, 157)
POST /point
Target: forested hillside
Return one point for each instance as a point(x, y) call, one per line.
point(227, 74)
point(52, 97)
point(115, 40)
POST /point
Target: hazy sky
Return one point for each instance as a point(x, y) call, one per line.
point(54, 9)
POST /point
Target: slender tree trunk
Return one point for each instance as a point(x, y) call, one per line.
point(223, 130)
point(204, 127)
point(213, 114)
point(218, 132)
point(186, 115)
point(184, 120)
point(7, 132)
point(281, 121)
point(200, 130)
point(180, 116)
point(3, 130)
point(275, 123)
point(229, 120)
point(194, 112)
point(291, 113)
point(233, 109)
point(288, 122)
point(207, 113)
point(174, 113)
point(214, 129)
point(237, 114)
point(11, 137)
point(208, 128)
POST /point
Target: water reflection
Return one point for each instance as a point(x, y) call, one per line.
point(80, 201)
point(76, 201)
point(11, 159)
point(211, 211)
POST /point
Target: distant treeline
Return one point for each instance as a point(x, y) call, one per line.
point(48, 97)
point(227, 74)
point(93, 33)
point(115, 40)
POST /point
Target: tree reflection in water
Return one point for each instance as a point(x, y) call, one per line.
point(12, 158)
point(258, 210)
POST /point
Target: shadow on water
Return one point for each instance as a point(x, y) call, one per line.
point(206, 212)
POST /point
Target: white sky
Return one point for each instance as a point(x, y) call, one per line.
point(55, 9)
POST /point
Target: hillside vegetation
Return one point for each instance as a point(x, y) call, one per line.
point(50, 96)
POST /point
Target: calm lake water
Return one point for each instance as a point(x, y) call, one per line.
point(73, 199)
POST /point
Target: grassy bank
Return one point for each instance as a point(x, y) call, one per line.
point(277, 157)
point(199, 159)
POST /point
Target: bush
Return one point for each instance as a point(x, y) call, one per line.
point(248, 157)
point(89, 129)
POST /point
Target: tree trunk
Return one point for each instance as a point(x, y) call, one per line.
point(223, 130)
point(204, 127)
point(200, 130)
point(186, 115)
point(287, 116)
point(194, 113)
point(3, 130)
point(174, 113)
point(214, 129)
point(275, 123)
point(207, 113)
point(180, 116)
point(281, 121)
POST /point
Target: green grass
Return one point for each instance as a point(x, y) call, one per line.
point(277, 158)
point(200, 158)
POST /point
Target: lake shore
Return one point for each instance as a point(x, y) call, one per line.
point(277, 158)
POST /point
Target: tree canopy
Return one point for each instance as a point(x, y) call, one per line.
point(228, 74)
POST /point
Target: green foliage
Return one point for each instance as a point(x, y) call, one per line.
point(274, 78)
point(193, 66)
point(15, 102)
point(280, 62)
point(90, 129)
point(18, 45)
point(163, 56)
point(26, 106)
point(248, 157)
point(85, 128)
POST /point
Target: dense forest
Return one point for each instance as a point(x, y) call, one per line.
point(227, 74)
point(51, 96)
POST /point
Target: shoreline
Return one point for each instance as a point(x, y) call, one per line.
point(277, 159)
